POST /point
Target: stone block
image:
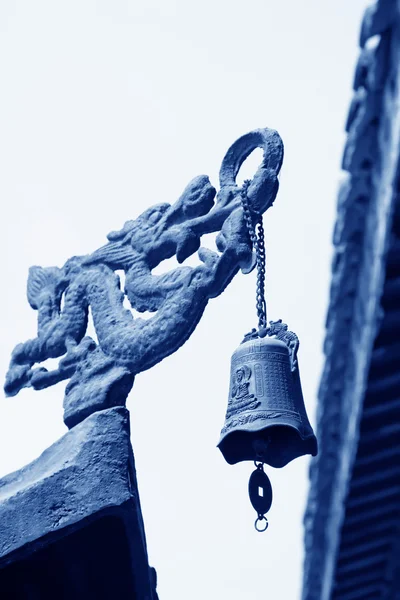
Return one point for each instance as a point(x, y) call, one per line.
point(70, 521)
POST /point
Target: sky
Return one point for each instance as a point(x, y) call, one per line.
point(110, 106)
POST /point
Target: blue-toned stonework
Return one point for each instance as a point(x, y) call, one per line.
point(102, 374)
point(352, 521)
point(71, 523)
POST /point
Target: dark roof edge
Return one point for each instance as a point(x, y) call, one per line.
point(361, 237)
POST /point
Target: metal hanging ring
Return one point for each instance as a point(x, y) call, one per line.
point(258, 520)
point(267, 139)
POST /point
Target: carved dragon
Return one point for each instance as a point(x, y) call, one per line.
point(102, 374)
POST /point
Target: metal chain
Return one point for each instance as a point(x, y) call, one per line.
point(258, 242)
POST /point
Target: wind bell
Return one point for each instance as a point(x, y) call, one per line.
point(266, 419)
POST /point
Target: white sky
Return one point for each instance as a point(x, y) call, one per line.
point(108, 107)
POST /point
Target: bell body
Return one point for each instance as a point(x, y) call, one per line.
point(266, 418)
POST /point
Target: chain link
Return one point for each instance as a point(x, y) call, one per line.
point(258, 242)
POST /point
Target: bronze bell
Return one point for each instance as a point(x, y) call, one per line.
point(266, 419)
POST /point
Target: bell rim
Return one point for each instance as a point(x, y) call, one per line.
point(310, 440)
point(254, 427)
point(268, 426)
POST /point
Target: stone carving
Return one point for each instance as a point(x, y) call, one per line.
point(241, 383)
point(241, 398)
point(102, 374)
point(71, 521)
